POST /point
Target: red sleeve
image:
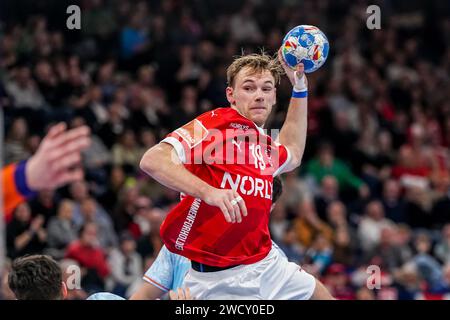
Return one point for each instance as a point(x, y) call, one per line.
point(284, 157)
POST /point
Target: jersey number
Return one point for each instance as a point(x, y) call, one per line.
point(257, 156)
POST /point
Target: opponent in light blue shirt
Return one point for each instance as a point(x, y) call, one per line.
point(168, 270)
point(166, 273)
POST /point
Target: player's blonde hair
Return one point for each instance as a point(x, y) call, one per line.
point(258, 63)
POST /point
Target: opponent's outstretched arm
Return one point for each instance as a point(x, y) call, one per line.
point(147, 291)
point(162, 163)
point(293, 131)
point(55, 163)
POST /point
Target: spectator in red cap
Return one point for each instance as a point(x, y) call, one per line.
point(337, 281)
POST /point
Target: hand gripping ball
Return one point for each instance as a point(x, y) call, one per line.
point(306, 44)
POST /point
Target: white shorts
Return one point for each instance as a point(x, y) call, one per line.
point(272, 278)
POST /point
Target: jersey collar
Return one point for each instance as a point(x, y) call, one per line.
point(260, 129)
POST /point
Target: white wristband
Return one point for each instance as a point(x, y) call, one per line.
point(301, 84)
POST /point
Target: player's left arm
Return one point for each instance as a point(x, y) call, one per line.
point(157, 279)
point(293, 131)
point(147, 291)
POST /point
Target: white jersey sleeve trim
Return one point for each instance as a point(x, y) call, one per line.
point(203, 136)
point(155, 283)
point(283, 166)
point(178, 146)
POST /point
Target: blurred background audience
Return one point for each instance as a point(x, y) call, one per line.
point(374, 185)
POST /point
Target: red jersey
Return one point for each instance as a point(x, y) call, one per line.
point(227, 151)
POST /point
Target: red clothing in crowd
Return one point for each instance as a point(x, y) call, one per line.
point(89, 257)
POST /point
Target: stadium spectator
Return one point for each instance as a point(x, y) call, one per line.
point(244, 28)
point(440, 211)
point(15, 144)
point(123, 213)
point(127, 152)
point(61, 230)
point(328, 192)
point(278, 223)
point(116, 182)
point(91, 258)
point(23, 90)
point(150, 243)
point(387, 253)
point(79, 191)
point(444, 285)
point(442, 248)
point(345, 239)
point(408, 282)
point(393, 204)
point(308, 225)
point(24, 234)
point(141, 222)
point(45, 204)
point(295, 191)
point(364, 293)
point(288, 244)
point(326, 164)
point(337, 280)
point(371, 225)
point(91, 212)
point(319, 255)
point(427, 266)
point(403, 240)
point(125, 264)
point(96, 157)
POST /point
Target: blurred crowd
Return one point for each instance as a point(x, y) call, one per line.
point(374, 185)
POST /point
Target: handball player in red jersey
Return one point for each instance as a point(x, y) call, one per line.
point(223, 163)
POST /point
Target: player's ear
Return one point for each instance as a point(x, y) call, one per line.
point(230, 96)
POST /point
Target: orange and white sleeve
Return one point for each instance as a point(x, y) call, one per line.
point(186, 138)
point(15, 188)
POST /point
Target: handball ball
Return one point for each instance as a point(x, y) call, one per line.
point(306, 44)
